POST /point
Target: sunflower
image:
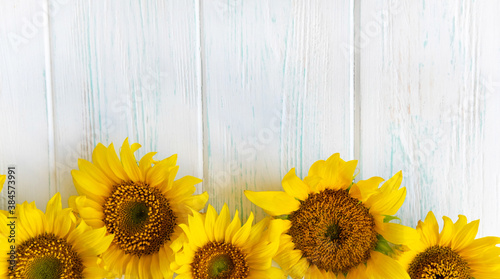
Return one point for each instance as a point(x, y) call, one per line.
point(213, 246)
point(337, 228)
point(139, 203)
point(453, 253)
point(50, 245)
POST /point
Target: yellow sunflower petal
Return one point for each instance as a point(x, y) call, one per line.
point(338, 174)
point(221, 224)
point(274, 203)
point(54, 206)
point(296, 265)
point(115, 164)
point(117, 185)
point(393, 183)
point(460, 223)
point(294, 186)
point(318, 168)
point(210, 218)
point(358, 272)
point(381, 266)
point(478, 246)
point(480, 255)
point(146, 162)
point(33, 220)
point(129, 162)
point(199, 251)
point(158, 174)
point(446, 235)
point(241, 236)
point(2, 181)
point(315, 273)
point(271, 273)
point(100, 159)
point(52, 234)
point(197, 227)
point(389, 204)
point(184, 187)
point(94, 172)
point(197, 202)
point(364, 189)
point(398, 234)
point(261, 255)
point(87, 186)
point(430, 229)
point(465, 236)
point(233, 227)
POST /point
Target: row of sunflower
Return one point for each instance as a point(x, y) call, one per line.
point(133, 218)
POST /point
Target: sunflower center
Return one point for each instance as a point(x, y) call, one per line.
point(219, 260)
point(47, 267)
point(138, 213)
point(439, 262)
point(333, 230)
point(140, 217)
point(220, 266)
point(47, 257)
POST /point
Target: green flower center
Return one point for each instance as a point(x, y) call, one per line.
point(45, 268)
point(220, 266)
point(439, 262)
point(47, 256)
point(219, 260)
point(138, 214)
point(140, 217)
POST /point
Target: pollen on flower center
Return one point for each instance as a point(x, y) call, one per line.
point(219, 260)
point(47, 256)
point(140, 217)
point(334, 231)
point(439, 262)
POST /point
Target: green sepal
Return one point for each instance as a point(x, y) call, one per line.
point(385, 247)
point(389, 218)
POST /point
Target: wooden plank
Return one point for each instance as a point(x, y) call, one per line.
point(23, 100)
point(128, 69)
point(423, 105)
point(277, 93)
point(488, 87)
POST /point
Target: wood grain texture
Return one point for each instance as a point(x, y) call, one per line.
point(128, 69)
point(425, 108)
point(276, 85)
point(245, 90)
point(23, 101)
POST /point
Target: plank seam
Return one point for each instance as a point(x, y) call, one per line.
point(53, 187)
point(355, 95)
point(203, 98)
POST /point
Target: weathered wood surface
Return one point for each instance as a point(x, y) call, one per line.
point(243, 91)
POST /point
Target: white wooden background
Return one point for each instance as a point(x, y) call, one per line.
point(245, 90)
